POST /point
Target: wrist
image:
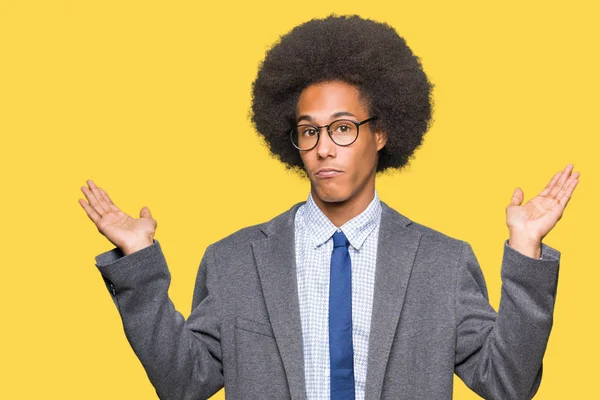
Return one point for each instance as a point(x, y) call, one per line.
point(132, 248)
point(528, 246)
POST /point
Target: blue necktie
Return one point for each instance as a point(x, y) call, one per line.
point(341, 353)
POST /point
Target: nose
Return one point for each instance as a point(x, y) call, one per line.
point(325, 147)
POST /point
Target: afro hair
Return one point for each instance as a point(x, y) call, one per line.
point(367, 54)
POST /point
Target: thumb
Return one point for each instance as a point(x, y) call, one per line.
point(517, 197)
point(145, 212)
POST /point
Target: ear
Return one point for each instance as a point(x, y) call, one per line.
point(380, 139)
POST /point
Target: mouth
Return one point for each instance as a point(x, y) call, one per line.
point(327, 173)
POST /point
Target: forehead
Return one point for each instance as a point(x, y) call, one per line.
point(321, 100)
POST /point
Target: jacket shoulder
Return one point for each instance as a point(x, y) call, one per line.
point(428, 235)
point(249, 234)
point(435, 235)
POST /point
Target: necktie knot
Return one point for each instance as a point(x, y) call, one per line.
point(340, 240)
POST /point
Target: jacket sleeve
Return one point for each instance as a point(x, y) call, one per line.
point(499, 355)
point(182, 358)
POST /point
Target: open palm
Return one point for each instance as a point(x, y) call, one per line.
point(539, 215)
point(127, 233)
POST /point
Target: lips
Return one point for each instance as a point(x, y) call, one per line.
point(327, 172)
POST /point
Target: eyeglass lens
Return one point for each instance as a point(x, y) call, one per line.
point(342, 132)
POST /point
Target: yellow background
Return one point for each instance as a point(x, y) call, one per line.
point(151, 100)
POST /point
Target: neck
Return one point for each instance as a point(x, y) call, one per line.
point(343, 211)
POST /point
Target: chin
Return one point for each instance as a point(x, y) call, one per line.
point(331, 194)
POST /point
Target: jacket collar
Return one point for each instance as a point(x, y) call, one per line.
point(357, 229)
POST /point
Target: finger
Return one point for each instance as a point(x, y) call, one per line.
point(561, 180)
point(568, 183)
point(550, 184)
point(96, 191)
point(93, 202)
point(563, 201)
point(145, 213)
point(93, 215)
point(108, 200)
point(91, 184)
point(565, 197)
point(517, 197)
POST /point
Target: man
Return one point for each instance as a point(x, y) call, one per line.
point(341, 296)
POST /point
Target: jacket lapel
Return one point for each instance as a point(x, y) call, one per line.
point(276, 262)
point(396, 252)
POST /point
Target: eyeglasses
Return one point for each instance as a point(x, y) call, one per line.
point(342, 132)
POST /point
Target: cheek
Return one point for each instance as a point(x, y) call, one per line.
point(361, 162)
point(305, 160)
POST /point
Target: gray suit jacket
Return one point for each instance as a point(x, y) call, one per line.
point(431, 317)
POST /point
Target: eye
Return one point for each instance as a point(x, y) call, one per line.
point(344, 128)
point(307, 131)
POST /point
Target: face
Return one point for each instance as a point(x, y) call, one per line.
point(339, 174)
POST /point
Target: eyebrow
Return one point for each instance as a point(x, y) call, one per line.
point(336, 115)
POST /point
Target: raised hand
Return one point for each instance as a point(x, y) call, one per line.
point(127, 233)
point(528, 224)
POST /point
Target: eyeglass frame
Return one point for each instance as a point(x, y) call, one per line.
point(328, 126)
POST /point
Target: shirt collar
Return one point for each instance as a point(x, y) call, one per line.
point(321, 229)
